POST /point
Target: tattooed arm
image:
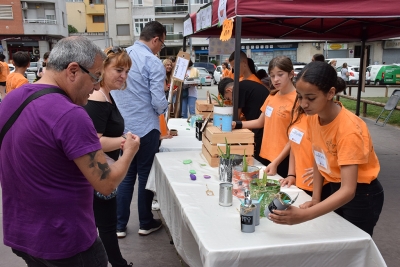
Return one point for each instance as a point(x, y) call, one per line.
point(103, 177)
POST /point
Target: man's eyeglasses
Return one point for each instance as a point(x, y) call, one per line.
point(163, 45)
point(95, 79)
point(115, 50)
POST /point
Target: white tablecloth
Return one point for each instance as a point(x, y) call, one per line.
point(186, 139)
point(206, 234)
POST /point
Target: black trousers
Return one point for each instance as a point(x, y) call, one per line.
point(364, 209)
point(105, 214)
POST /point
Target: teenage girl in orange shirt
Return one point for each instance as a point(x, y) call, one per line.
point(343, 153)
point(275, 117)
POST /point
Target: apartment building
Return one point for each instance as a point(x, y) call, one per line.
point(33, 26)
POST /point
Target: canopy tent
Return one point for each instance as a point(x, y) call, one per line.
point(339, 20)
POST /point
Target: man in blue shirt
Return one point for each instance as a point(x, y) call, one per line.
point(141, 104)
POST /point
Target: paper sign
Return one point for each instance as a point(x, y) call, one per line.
point(221, 12)
point(207, 17)
point(187, 27)
point(181, 65)
point(198, 20)
point(227, 28)
point(296, 135)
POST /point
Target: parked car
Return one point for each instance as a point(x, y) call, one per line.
point(33, 67)
point(203, 73)
point(262, 66)
point(297, 69)
point(385, 74)
point(210, 67)
point(353, 71)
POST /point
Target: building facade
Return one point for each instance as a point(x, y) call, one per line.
point(31, 26)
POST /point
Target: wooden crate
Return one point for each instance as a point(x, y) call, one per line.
point(214, 161)
point(235, 148)
point(204, 113)
point(201, 105)
point(237, 136)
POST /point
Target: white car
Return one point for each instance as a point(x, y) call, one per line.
point(297, 69)
point(203, 73)
point(353, 71)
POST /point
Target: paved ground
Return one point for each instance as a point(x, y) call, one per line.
point(155, 250)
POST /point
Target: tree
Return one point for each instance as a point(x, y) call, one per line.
point(72, 29)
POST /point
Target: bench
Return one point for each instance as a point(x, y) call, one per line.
point(365, 103)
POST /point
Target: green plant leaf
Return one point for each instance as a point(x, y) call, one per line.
point(245, 166)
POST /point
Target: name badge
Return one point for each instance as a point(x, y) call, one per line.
point(320, 159)
point(296, 136)
point(268, 111)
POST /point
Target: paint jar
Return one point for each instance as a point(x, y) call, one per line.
point(257, 215)
point(247, 218)
point(226, 165)
point(222, 118)
point(225, 194)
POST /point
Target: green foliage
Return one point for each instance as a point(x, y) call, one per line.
point(245, 166)
point(72, 29)
point(227, 154)
point(215, 62)
point(373, 111)
point(219, 101)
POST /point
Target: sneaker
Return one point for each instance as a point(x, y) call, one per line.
point(121, 233)
point(156, 224)
point(155, 205)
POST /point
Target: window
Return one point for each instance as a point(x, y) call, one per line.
point(98, 19)
point(200, 1)
point(74, 0)
point(139, 25)
point(138, 2)
point(63, 18)
point(169, 28)
point(123, 30)
point(6, 12)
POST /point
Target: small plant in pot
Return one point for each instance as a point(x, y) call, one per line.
point(242, 176)
point(223, 114)
point(264, 190)
point(226, 161)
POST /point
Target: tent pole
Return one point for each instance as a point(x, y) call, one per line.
point(360, 77)
point(184, 44)
point(238, 38)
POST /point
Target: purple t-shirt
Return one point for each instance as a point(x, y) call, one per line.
point(47, 201)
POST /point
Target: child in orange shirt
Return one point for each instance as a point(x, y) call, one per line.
point(275, 117)
point(343, 153)
point(301, 160)
point(17, 78)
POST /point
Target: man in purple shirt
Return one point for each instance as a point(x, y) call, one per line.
point(51, 159)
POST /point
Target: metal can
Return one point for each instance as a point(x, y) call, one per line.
point(278, 204)
point(225, 194)
point(257, 215)
point(247, 218)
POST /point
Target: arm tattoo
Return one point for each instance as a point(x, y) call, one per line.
point(104, 167)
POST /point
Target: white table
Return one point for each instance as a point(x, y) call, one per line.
point(186, 139)
point(206, 234)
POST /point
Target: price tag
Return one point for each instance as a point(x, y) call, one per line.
point(296, 136)
point(268, 111)
point(227, 28)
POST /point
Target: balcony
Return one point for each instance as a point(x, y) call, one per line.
point(173, 36)
point(180, 10)
point(94, 9)
point(42, 21)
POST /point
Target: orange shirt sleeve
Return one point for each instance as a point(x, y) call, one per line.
point(163, 125)
point(15, 80)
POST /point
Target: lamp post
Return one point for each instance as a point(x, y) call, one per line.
point(106, 23)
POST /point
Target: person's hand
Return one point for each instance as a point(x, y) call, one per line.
point(168, 136)
point(233, 124)
point(131, 143)
point(271, 169)
point(288, 181)
point(308, 175)
point(292, 215)
point(308, 204)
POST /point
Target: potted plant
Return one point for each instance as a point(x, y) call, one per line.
point(242, 176)
point(223, 114)
point(264, 190)
point(226, 162)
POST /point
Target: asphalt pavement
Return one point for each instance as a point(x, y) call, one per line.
point(155, 250)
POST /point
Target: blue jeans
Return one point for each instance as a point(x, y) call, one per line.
point(95, 256)
point(191, 101)
point(364, 209)
point(140, 166)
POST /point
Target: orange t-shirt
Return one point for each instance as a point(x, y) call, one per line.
point(277, 110)
point(254, 78)
point(4, 71)
point(344, 141)
point(15, 80)
point(163, 125)
point(300, 146)
point(226, 73)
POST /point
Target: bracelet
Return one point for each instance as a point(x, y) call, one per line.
point(291, 175)
point(238, 125)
